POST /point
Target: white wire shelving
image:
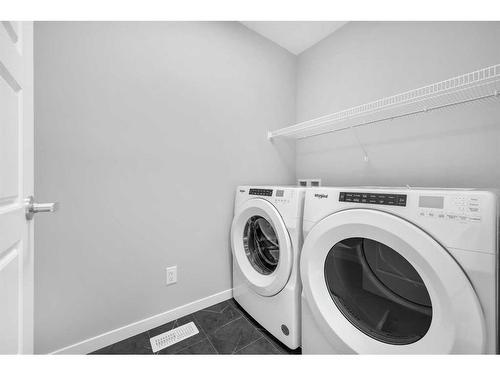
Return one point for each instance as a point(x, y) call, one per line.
point(478, 85)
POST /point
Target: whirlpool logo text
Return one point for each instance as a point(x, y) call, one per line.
point(321, 196)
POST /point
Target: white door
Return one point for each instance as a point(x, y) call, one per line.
point(16, 183)
point(261, 246)
point(376, 283)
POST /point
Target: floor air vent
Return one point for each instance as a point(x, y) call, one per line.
point(173, 336)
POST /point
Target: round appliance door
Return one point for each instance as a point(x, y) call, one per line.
point(261, 246)
point(376, 283)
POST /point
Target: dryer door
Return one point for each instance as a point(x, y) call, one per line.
point(261, 246)
point(376, 283)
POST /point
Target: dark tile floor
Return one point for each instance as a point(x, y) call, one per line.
point(225, 328)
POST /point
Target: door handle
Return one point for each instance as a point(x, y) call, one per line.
point(33, 208)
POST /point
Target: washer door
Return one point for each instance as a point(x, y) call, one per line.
point(376, 283)
point(261, 246)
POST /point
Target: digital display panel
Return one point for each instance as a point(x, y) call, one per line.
point(427, 201)
point(373, 198)
point(280, 193)
point(264, 192)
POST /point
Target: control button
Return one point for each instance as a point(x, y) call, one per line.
point(475, 218)
point(262, 192)
point(440, 216)
point(372, 198)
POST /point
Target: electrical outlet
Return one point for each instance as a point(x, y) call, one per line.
point(309, 182)
point(171, 275)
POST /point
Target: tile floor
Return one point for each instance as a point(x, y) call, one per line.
point(224, 329)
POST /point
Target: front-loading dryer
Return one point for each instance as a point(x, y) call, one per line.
point(399, 271)
point(266, 238)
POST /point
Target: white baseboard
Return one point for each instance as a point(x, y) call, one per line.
point(111, 337)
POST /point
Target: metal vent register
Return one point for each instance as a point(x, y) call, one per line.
point(173, 336)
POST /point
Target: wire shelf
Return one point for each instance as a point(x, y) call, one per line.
point(479, 85)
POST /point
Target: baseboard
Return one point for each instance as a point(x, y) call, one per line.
point(108, 338)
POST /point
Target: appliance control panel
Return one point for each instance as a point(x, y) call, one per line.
point(454, 208)
point(373, 198)
point(282, 197)
point(261, 192)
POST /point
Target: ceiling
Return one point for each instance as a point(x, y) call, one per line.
point(295, 36)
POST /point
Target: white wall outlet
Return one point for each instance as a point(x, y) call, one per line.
point(171, 275)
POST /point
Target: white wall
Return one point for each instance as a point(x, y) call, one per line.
point(143, 131)
point(365, 61)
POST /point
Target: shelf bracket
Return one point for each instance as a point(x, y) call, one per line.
point(365, 155)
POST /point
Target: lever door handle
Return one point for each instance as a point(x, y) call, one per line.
point(33, 208)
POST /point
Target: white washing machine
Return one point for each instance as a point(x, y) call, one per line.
point(399, 271)
point(266, 238)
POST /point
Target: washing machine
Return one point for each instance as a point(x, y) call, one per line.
point(399, 271)
point(266, 238)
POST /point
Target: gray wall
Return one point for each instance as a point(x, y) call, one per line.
point(365, 61)
point(143, 131)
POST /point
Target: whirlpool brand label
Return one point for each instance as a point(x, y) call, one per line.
point(321, 196)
